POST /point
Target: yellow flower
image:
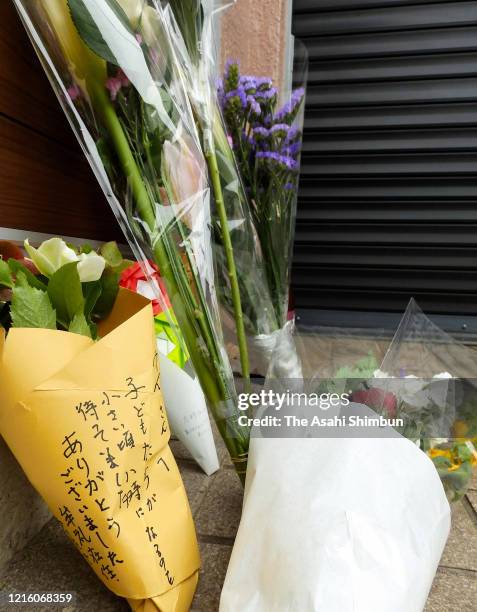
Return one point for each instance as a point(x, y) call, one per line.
point(436, 452)
point(455, 467)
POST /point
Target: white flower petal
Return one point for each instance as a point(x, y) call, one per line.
point(91, 267)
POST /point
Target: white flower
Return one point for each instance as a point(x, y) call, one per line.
point(90, 267)
point(184, 172)
point(433, 442)
point(51, 255)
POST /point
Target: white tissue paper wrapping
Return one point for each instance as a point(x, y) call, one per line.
point(187, 413)
point(337, 525)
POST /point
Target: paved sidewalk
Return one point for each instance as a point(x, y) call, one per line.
point(51, 563)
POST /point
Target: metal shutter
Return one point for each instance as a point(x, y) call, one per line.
point(387, 207)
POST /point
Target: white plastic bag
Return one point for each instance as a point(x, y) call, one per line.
point(337, 525)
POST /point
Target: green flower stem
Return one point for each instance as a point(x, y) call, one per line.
point(231, 267)
point(212, 382)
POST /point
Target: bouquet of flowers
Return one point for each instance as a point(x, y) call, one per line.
point(192, 26)
point(267, 141)
point(114, 69)
point(429, 382)
point(323, 509)
point(82, 412)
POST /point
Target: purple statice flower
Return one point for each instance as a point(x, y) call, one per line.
point(293, 134)
point(283, 160)
point(267, 94)
point(291, 107)
point(255, 107)
point(280, 129)
point(249, 84)
point(260, 133)
point(237, 94)
point(292, 150)
point(289, 187)
point(263, 82)
point(268, 121)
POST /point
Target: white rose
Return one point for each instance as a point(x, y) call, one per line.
point(90, 267)
point(51, 255)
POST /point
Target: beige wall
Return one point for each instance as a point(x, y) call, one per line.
point(255, 32)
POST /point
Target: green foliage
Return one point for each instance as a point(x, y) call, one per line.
point(31, 307)
point(113, 256)
point(6, 279)
point(362, 369)
point(91, 293)
point(109, 292)
point(79, 325)
point(17, 267)
point(66, 294)
point(62, 301)
point(89, 31)
point(111, 253)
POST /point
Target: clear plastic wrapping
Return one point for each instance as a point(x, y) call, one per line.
point(425, 387)
point(248, 295)
point(430, 381)
point(266, 129)
point(113, 67)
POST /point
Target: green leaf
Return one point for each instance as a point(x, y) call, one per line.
point(114, 258)
point(91, 292)
point(79, 325)
point(442, 463)
point(110, 284)
point(66, 294)
point(111, 253)
point(6, 279)
point(89, 31)
point(18, 268)
point(93, 330)
point(86, 248)
point(31, 307)
point(464, 453)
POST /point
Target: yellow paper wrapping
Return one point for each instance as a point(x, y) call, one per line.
point(86, 421)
